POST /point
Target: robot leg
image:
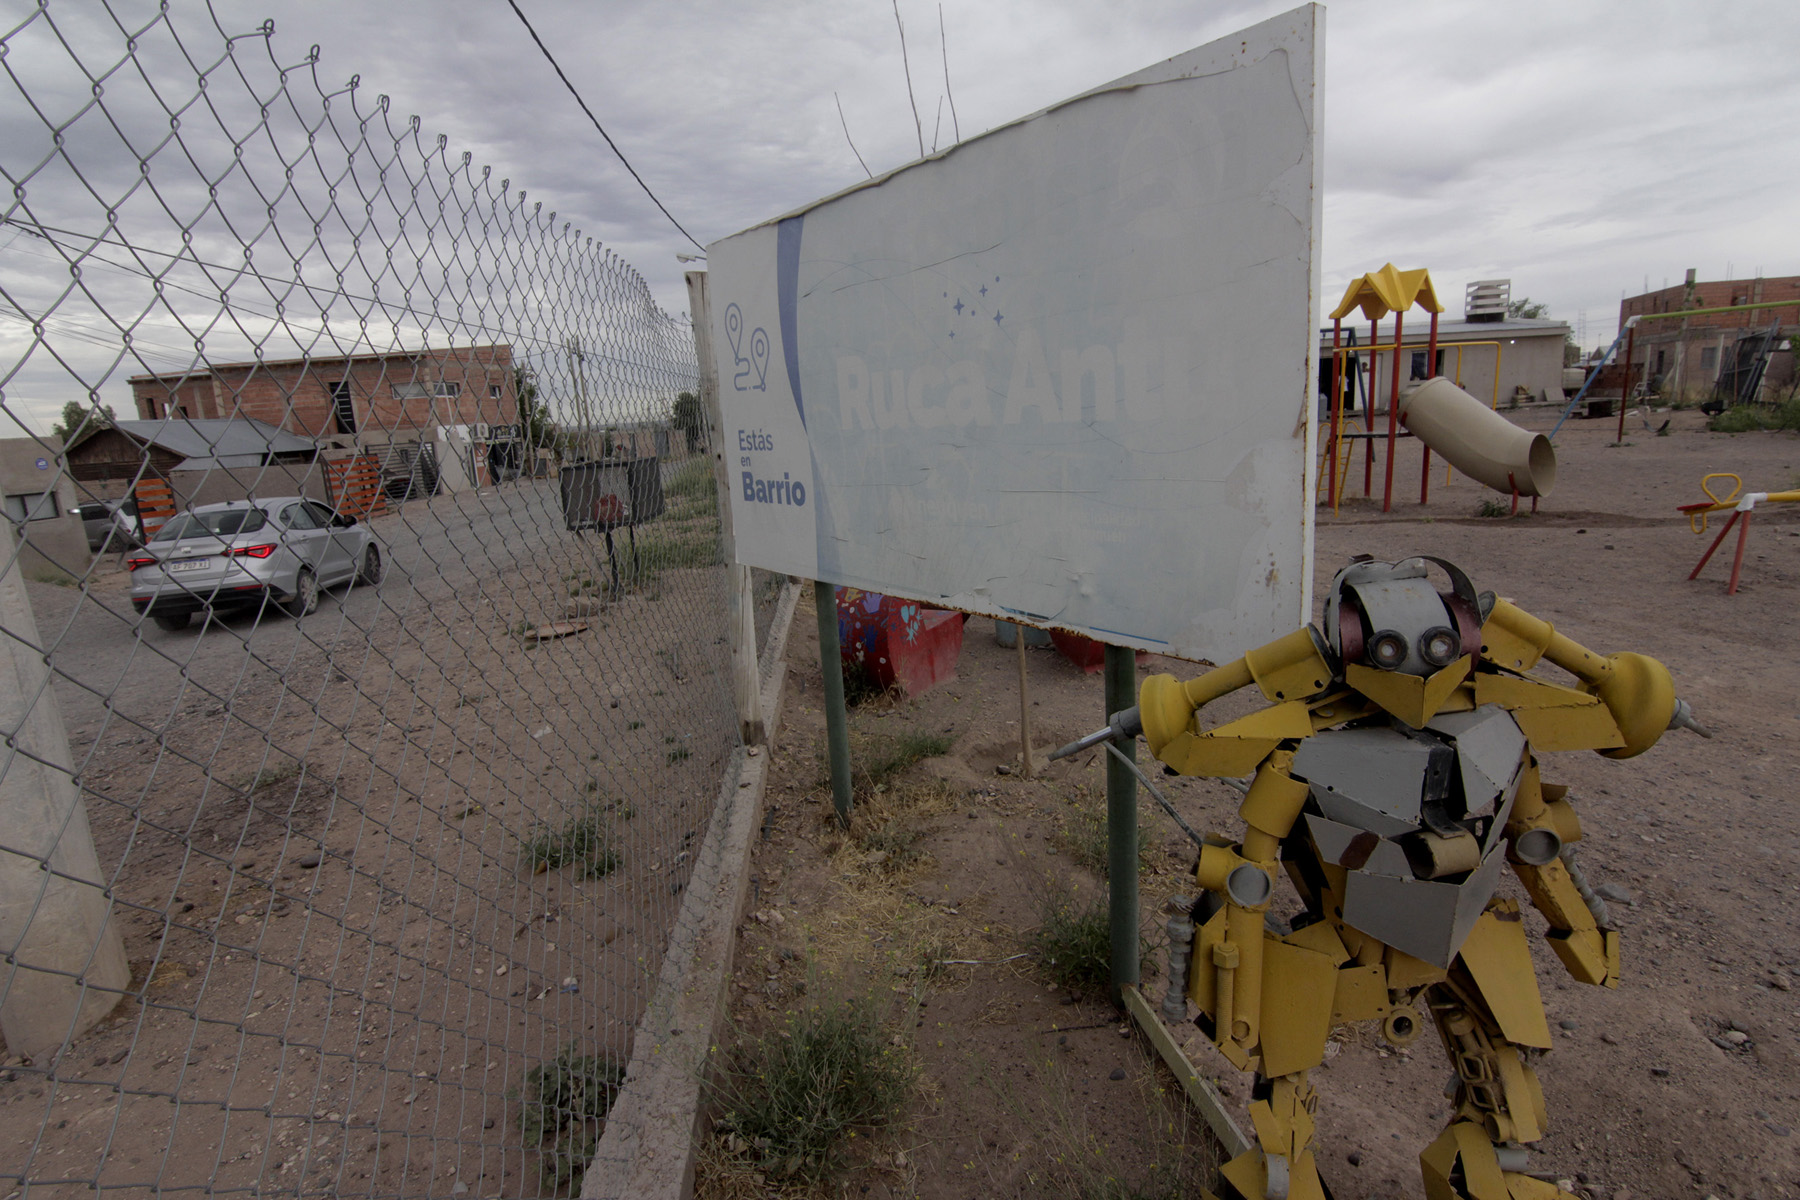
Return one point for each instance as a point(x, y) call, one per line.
point(1280, 1166)
point(1483, 1153)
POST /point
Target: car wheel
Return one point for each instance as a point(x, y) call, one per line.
point(306, 593)
point(370, 571)
point(172, 622)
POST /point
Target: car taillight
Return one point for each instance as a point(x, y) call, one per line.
point(135, 563)
point(262, 551)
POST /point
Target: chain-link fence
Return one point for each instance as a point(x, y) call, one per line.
point(364, 613)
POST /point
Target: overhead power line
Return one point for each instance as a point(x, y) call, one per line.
point(548, 57)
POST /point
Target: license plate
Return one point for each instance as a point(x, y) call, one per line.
point(190, 564)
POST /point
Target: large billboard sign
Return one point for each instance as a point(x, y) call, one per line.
point(1061, 373)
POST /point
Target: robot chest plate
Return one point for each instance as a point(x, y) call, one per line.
point(1383, 778)
point(1381, 794)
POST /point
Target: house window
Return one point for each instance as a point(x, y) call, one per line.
point(31, 506)
point(448, 391)
point(1418, 364)
point(494, 391)
point(1709, 357)
point(343, 408)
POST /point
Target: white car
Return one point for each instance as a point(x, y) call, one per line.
point(248, 554)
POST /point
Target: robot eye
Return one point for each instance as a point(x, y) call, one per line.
point(1439, 645)
point(1387, 650)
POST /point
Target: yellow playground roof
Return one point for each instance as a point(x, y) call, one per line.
point(1388, 290)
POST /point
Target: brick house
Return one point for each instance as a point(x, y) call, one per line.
point(1688, 353)
point(362, 401)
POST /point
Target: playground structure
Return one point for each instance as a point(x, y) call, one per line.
point(1377, 294)
point(1471, 436)
point(1740, 508)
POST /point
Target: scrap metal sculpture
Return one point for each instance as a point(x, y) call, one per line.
point(1395, 778)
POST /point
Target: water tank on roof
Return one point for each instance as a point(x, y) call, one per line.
point(1486, 299)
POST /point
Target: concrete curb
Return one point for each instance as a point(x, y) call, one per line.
point(647, 1149)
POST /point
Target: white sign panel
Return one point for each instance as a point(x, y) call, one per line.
point(1061, 373)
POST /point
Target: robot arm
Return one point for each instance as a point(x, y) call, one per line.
point(1635, 689)
point(1542, 828)
point(1287, 670)
point(1638, 696)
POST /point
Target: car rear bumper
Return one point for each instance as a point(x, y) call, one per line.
point(176, 603)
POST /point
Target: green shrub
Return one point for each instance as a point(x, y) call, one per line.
point(860, 685)
point(691, 485)
point(791, 1097)
point(1074, 941)
point(581, 842)
point(890, 756)
point(1741, 418)
point(1746, 418)
point(560, 1111)
point(1086, 838)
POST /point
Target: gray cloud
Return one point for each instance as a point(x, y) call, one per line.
point(1576, 148)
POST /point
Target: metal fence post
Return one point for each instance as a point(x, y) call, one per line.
point(1122, 827)
point(837, 719)
point(66, 961)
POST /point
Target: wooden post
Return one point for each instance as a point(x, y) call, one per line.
point(837, 716)
point(740, 606)
point(1024, 704)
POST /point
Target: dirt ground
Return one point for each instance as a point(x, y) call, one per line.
point(1682, 1082)
point(347, 964)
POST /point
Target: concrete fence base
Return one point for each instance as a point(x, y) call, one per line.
point(647, 1150)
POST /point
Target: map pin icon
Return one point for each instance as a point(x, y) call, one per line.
point(734, 330)
point(759, 357)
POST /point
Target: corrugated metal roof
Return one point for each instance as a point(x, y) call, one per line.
point(226, 462)
point(214, 437)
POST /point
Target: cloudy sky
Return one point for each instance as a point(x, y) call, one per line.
point(1582, 149)
point(1578, 148)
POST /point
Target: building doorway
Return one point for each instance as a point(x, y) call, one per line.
point(343, 408)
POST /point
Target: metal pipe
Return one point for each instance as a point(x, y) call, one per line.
point(1225, 964)
point(1703, 312)
point(1387, 488)
point(1625, 390)
point(1630, 323)
point(1369, 403)
point(1337, 403)
point(1431, 373)
point(1737, 561)
point(1180, 928)
point(1122, 827)
point(837, 718)
point(1595, 905)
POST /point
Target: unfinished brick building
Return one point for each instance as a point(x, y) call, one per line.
point(364, 399)
point(1688, 354)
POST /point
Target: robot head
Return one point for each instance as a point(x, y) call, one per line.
point(1391, 618)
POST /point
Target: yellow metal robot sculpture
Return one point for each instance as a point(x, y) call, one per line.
point(1395, 777)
